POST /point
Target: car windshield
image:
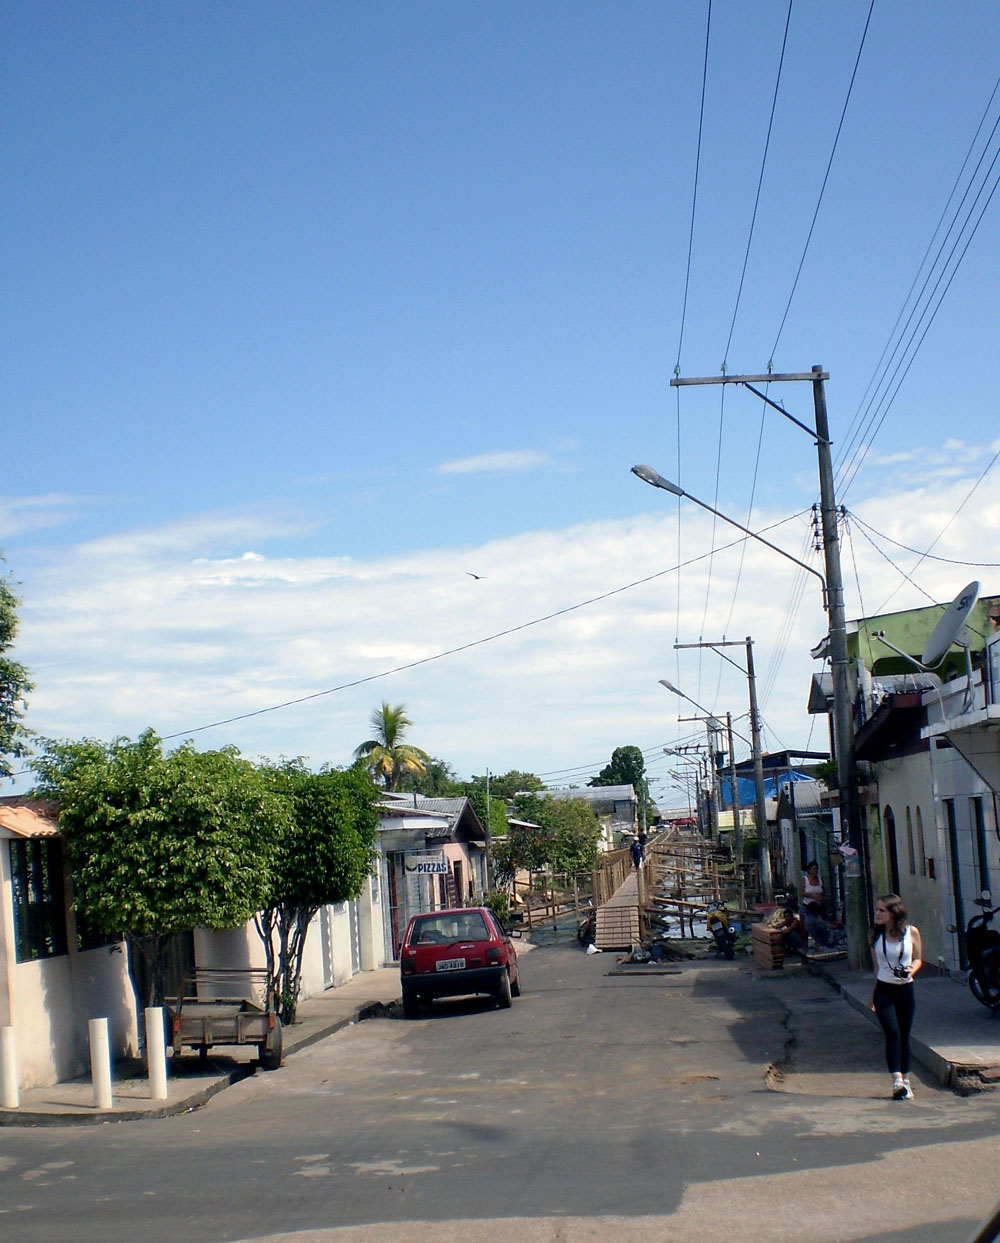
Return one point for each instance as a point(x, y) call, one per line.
point(443, 929)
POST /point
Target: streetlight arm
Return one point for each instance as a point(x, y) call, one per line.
point(656, 480)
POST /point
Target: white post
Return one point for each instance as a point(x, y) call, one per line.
point(156, 1054)
point(100, 1062)
point(9, 1095)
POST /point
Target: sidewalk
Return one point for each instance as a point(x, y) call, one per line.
point(191, 1082)
point(954, 1037)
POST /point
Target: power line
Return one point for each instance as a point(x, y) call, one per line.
point(462, 647)
point(694, 195)
point(826, 177)
point(926, 555)
point(849, 444)
point(760, 182)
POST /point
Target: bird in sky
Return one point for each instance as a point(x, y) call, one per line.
point(471, 575)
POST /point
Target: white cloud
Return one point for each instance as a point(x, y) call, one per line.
point(21, 514)
point(514, 461)
point(140, 631)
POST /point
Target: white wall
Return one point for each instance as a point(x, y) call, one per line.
point(49, 1001)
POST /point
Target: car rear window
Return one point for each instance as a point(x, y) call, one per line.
point(443, 929)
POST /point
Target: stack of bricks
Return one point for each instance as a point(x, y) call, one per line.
point(768, 948)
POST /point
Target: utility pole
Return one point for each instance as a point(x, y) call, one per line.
point(737, 827)
point(859, 912)
point(711, 774)
point(760, 802)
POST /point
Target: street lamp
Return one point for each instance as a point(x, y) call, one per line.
point(656, 480)
point(760, 802)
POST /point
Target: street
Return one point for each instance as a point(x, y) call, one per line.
point(599, 1106)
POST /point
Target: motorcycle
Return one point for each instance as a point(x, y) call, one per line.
point(722, 932)
point(982, 944)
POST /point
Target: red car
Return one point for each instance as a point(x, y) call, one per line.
point(453, 953)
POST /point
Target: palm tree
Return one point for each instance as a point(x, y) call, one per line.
point(386, 755)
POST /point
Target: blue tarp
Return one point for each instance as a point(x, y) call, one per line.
point(748, 791)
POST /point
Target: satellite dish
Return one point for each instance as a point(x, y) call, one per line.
point(950, 625)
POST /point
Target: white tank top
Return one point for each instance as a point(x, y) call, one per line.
point(889, 954)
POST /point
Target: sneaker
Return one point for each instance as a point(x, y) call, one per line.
point(907, 1091)
point(899, 1093)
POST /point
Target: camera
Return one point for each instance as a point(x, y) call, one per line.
point(901, 973)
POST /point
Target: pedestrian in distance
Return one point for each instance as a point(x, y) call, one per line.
point(811, 888)
point(636, 850)
point(898, 956)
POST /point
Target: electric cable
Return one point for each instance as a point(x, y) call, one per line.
point(462, 647)
point(874, 427)
point(854, 429)
point(928, 556)
point(826, 177)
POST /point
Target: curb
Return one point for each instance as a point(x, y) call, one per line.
point(964, 1080)
point(53, 1118)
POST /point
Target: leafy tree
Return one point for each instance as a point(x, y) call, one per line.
point(627, 767)
point(506, 785)
point(566, 839)
point(438, 781)
point(386, 755)
point(324, 854)
point(158, 845)
point(14, 684)
point(496, 822)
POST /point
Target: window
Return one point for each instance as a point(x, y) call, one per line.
point(921, 848)
point(910, 853)
point(39, 899)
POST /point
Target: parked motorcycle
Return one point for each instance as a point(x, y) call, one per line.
point(982, 944)
point(723, 934)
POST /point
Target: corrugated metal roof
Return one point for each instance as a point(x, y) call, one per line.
point(29, 817)
point(597, 794)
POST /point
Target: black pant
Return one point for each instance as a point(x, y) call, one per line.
point(895, 1006)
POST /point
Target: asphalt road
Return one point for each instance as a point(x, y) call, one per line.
point(598, 1107)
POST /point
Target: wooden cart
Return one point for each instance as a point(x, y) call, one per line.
point(219, 1006)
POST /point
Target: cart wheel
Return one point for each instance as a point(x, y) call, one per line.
point(270, 1058)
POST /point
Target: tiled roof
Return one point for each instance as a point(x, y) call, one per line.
point(28, 817)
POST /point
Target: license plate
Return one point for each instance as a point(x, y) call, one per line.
point(451, 964)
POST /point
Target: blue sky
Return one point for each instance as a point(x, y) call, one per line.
point(309, 310)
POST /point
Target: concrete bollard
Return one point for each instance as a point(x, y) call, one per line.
point(9, 1094)
point(100, 1062)
point(156, 1053)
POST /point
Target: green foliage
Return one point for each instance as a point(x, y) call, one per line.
point(565, 840)
point(324, 854)
point(14, 684)
point(627, 767)
point(496, 823)
point(827, 773)
point(158, 844)
point(386, 756)
point(499, 903)
point(506, 785)
point(438, 781)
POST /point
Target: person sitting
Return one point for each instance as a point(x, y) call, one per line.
point(793, 930)
point(825, 935)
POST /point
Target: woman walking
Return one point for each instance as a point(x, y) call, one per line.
point(897, 952)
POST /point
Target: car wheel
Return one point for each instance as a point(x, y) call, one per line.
point(504, 991)
point(411, 1004)
point(515, 985)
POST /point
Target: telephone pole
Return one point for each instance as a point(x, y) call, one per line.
point(760, 802)
point(859, 886)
